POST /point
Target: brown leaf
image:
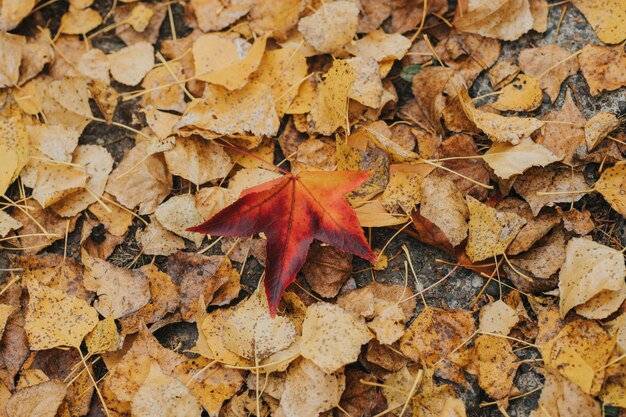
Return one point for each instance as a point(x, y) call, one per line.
point(443, 205)
point(120, 291)
point(602, 67)
point(140, 180)
point(41, 400)
point(550, 180)
point(327, 269)
point(35, 218)
point(562, 398)
point(503, 19)
point(536, 61)
point(495, 365)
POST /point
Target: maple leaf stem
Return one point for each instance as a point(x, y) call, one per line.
point(251, 155)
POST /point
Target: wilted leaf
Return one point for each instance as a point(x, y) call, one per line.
point(141, 179)
point(55, 319)
point(443, 205)
point(252, 333)
point(129, 65)
point(161, 395)
point(602, 67)
point(329, 108)
point(589, 270)
point(501, 19)
point(606, 18)
point(536, 61)
point(508, 160)
point(120, 291)
point(41, 400)
point(562, 398)
point(612, 186)
point(332, 26)
point(523, 94)
point(500, 128)
point(327, 269)
point(332, 337)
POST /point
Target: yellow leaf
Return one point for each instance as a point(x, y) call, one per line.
point(495, 365)
point(612, 186)
point(79, 21)
point(55, 319)
point(606, 17)
point(219, 59)
point(103, 338)
point(508, 160)
point(332, 337)
point(129, 65)
point(490, 231)
point(523, 94)
point(197, 160)
point(500, 19)
point(598, 127)
point(14, 150)
point(589, 269)
point(329, 110)
point(497, 317)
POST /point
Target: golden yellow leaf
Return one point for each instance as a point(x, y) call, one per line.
point(490, 231)
point(579, 352)
point(115, 220)
point(606, 17)
point(495, 365)
point(403, 192)
point(14, 150)
point(103, 338)
point(508, 160)
point(329, 110)
point(212, 345)
point(283, 70)
point(178, 214)
point(435, 333)
point(220, 59)
point(598, 127)
point(381, 46)
point(603, 67)
point(523, 94)
point(140, 17)
point(56, 319)
point(332, 337)
point(612, 186)
point(79, 21)
point(212, 384)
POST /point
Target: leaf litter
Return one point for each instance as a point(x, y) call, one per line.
point(280, 130)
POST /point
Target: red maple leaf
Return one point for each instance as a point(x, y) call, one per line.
point(292, 211)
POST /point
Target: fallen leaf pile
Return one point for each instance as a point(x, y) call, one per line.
point(206, 168)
